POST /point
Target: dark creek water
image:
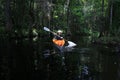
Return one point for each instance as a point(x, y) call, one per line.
point(29, 59)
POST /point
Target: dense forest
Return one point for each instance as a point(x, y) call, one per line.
point(83, 17)
point(22, 38)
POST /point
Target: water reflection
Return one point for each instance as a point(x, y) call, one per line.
point(36, 60)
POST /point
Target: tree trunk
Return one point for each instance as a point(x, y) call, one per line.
point(8, 16)
point(111, 13)
point(102, 21)
point(68, 1)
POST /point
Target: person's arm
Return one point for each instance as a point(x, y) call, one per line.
point(59, 37)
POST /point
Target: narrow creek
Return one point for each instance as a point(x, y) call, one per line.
point(26, 59)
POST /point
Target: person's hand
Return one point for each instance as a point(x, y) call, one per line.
point(61, 37)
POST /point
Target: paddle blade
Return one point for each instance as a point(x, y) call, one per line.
point(71, 44)
point(46, 29)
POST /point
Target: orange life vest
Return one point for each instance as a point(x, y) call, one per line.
point(59, 42)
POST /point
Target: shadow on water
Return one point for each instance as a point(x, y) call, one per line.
point(24, 59)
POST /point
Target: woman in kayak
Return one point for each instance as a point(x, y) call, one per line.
point(58, 39)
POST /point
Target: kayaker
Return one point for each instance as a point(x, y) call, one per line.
point(58, 38)
point(59, 41)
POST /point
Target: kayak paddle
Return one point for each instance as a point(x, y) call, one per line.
point(46, 29)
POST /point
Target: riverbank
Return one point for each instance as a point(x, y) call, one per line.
point(110, 41)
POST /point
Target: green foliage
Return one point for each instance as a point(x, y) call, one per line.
point(89, 17)
point(2, 16)
point(2, 30)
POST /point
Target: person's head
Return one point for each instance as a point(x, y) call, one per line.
point(59, 32)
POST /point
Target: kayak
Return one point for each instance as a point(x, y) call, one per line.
point(61, 48)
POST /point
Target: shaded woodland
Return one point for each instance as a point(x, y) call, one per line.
point(22, 38)
point(81, 17)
